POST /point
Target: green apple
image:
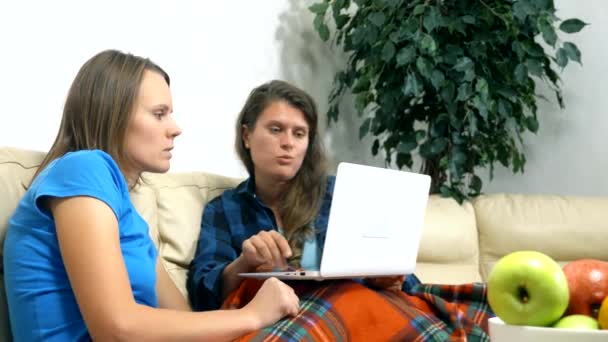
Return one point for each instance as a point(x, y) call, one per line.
point(577, 322)
point(528, 288)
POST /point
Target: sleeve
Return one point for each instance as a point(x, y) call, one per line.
point(84, 173)
point(213, 253)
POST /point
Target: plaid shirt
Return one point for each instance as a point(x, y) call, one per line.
point(228, 220)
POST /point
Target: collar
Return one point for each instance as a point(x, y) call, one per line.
point(247, 187)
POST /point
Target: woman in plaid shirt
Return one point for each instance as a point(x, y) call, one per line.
point(277, 217)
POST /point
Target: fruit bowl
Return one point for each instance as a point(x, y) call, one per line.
point(501, 332)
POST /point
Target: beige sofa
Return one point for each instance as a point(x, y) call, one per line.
point(460, 242)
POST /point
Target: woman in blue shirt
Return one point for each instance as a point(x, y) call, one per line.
point(78, 260)
point(279, 215)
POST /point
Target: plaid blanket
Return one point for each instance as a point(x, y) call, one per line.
point(346, 310)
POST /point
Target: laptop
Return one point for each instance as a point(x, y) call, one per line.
point(375, 225)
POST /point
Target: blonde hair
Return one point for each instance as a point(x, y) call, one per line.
point(100, 105)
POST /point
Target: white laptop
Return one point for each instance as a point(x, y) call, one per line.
point(375, 225)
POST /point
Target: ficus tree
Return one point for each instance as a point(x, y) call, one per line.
point(453, 81)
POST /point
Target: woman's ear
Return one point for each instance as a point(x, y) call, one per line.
point(245, 135)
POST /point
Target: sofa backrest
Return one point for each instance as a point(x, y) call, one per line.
point(173, 203)
point(566, 228)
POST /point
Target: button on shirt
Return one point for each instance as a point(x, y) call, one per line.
point(228, 221)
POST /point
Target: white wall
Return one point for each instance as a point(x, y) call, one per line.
point(217, 51)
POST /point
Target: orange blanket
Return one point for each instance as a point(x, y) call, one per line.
point(349, 311)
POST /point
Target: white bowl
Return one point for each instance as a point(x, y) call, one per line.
point(501, 332)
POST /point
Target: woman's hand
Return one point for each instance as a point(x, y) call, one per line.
point(274, 300)
point(267, 249)
point(386, 283)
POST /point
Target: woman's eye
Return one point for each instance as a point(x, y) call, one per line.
point(275, 129)
point(159, 115)
point(300, 134)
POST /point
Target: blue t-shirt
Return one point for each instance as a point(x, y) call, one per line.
point(42, 305)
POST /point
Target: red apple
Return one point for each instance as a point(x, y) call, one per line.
point(588, 285)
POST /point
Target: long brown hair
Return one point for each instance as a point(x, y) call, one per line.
point(301, 202)
point(100, 105)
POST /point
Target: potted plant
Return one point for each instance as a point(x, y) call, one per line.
point(452, 81)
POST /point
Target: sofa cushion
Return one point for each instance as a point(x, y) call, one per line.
point(448, 252)
point(17, 167)
point(181, 198)
point(564, 228)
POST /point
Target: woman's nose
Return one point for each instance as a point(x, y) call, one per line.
point(174, 129)
point(287, 140)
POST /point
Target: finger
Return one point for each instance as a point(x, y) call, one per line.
point(277, 259)
point(264, 268)
point(261, 250)
point(251, 254)
point(283, 245)
point(294, 304)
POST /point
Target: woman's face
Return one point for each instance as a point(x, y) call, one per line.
point(150, 134)
point(277, 142)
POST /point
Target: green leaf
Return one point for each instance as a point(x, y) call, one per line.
point(464, 92)
point(439, 127)
point(502, 155)
point(319, 8)
point(437, 79)
point(425, 150)
point(447, 92)
point(521, 9)
point(463, 64)
point(364, 128)
point(572, 25)
point(504, 108)
point(362, 84)
point(533, 49)
point(332, 114)
point(476, 184)
point(420, 134)
point(521, 73)
point(518, 48)
point(321, 27)
point(428, 44)
point(469, 75)
point(406, 55)
point(457, 161)
point(469, 19)
point(424, 67)
point(388, 51)
point(404, 160)
point(432, 20)
point(535, 67)
point(481, 106)
point(419, 9)
point(548, 32)
point(544, 5)
point(439, 145)
point(360, 102)
point(481, 87)
point(413, 86)
point(573, 52)
point(561, 58)
point(375, 147)
point(407, 144)
point(446, 191)
point(377, 18)
point(532, 124)
point(371, 35)
point(341, 20)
